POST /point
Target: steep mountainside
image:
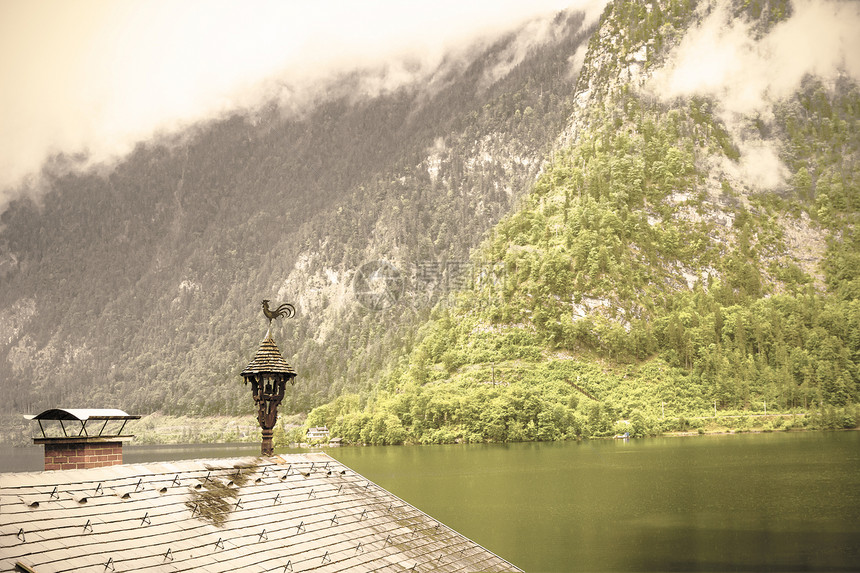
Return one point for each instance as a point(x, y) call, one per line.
point(139, 286)
point(676, 258)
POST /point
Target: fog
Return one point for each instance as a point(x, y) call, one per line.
point(91, 78)
point(722, 58)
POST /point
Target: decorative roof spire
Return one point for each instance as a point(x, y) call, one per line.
point(268, 359)
point(268, 374)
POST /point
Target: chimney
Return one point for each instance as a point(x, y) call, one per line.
point(87, 442)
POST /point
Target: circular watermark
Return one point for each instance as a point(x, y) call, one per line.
point(378, 285)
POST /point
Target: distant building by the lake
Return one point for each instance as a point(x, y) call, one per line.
point(316, 433)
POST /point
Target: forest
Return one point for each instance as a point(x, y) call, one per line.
point(628, 288)
point(139, 287)
point(579, 255)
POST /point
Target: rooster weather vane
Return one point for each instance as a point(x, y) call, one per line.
point(286, 310)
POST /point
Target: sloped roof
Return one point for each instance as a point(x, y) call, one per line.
point(268, 359)
point(296, 513)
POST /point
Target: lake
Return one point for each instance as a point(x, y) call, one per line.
point(750, 502)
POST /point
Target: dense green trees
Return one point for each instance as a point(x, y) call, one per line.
point(629, 284)
point(146, 278)
point(689, 298)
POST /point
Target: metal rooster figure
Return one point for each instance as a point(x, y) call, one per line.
point(286, 310)
point(268, 374)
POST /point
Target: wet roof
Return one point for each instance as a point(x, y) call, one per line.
point(298, 512)
point(268, 359)
point(82, 414)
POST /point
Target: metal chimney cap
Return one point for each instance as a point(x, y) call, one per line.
point(82, 414)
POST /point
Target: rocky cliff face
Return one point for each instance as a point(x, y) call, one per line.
point(673, 253)
point(602, 210)
point(139, 287)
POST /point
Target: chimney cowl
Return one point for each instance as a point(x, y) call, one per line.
point(89, 443)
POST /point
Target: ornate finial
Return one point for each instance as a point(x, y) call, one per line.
point(286, 310)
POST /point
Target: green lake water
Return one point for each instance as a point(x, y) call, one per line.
point(753, 502)
point(778, 502)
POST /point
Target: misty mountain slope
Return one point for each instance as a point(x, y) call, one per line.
point(676, 258)
point(139, 286)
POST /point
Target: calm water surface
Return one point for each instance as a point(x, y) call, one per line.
point(762, 502)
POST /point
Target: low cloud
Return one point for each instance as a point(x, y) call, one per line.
point(722, 59)
point(759, 165)
point(92, 78)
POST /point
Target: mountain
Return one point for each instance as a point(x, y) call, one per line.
point(139, 285)
point(553, 233)
point(682, 262)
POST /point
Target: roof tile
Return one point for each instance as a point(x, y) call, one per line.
point(268, 359)
point(304, 510)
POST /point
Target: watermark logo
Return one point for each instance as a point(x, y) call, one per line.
point(378, 285)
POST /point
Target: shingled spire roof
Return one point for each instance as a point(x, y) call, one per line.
point(268, 359)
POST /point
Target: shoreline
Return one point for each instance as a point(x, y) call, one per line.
point(160, 429)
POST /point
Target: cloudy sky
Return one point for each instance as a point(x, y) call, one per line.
point(95, 76)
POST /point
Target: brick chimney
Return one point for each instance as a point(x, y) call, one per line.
point(90, 447)
point(78, 453)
